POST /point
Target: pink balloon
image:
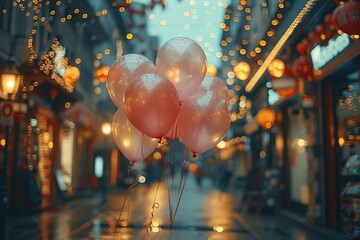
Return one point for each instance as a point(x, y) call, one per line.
point(152, 104)
point(174, 131)
point(135, 145)
point(204, 120)
point(122, 72)
point(215, 84)
point(183, 62)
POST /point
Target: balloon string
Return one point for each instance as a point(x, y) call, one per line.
point(164, 160)
point(142, 146)
point(155, 205)
point(182, 187)
point(173, 159)
point(183, 170)
point(123, 205)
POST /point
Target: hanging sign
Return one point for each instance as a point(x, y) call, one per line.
point(7, 114)
point(321, 55)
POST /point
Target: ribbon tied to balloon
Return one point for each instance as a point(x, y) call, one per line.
point(170, 99)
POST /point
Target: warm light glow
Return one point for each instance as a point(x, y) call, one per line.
point(2, 142)
point(301, 142)
point(106, 128)
point(211, 70)
point(71, 75)
point(10, 81)
point(265, 118)
point(341, 141)
point(193, 167)
point(221, 144)
point(129, 36)
point(157, 156)
point(141, 179)
point(276, 68)
point(242, 70)
point(102, 73)
point(218, 228)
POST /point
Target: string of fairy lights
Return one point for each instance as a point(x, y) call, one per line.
point(244, 10)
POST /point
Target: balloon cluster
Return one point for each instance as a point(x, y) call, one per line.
point(170, 100)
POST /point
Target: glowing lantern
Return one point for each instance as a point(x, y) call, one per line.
point(71, 75)
point(102, 73)
point(211, 70)
point(346, 17)
point(286, 85)
point(242, 70)
point(303, 68)
point(265, 118)
point(276, 68)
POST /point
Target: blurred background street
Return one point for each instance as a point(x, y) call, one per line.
point(257, 103)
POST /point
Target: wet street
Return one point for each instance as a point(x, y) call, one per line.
point(203, 213)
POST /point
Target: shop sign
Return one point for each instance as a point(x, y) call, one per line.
point(321, 55)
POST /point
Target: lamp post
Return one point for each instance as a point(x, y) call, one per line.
point(9, 84)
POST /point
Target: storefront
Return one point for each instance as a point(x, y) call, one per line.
point(340, 98)
point(76, 164)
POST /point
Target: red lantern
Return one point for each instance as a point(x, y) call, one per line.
point(303, 68)
point(320, 29)
point(287, 85)
point(313, 37)
point(300, 47)
point(347, 17)
point(329, 20)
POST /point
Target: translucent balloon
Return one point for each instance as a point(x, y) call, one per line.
point(183, 62)
point(215, 84)
point(122, 72)
point(152, 104)
point(135, 145)
point(204, 120)
point(173, 132)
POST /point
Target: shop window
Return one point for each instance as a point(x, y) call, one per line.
point(67, 153)
point(348, 154)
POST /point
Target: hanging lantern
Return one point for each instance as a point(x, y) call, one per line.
point(303, 67)
point(211, 70)
point(347, 17)
point(71, 75)
point(265, 118)
point(102, 73)
point(329, 20)
point(313, 37)
point(302, 46)
point(276, 68)
point(242, 70)
point(285, 86)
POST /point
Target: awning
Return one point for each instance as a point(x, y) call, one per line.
point(82, 115)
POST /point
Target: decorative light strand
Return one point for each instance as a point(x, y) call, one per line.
point(256, 77)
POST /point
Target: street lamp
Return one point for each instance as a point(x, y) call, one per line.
point(9, 84)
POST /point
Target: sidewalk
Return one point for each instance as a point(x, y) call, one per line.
point(203, 213)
